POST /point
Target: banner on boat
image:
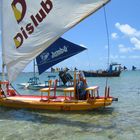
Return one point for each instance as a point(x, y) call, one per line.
point(60, 50)
point(29, 27)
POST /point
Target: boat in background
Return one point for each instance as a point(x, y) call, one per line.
point(64, 80)
point(134, 68)
point(33, 82)
point(114, 70)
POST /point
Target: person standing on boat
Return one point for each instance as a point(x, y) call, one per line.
point(81, 86)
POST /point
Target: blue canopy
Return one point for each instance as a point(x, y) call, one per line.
point(60, 50)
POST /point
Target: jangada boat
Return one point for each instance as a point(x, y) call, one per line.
point(66, 103)
point(34, 28)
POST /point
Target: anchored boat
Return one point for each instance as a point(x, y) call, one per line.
point(114, 70)
point(35, 26)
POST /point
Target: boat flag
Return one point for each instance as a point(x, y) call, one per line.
point(30, 26)
point(60, 50)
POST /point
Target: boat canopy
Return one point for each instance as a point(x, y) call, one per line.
point(29, 27)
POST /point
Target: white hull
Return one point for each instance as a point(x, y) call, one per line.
point(31, 86)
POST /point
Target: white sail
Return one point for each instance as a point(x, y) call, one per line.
point(30, 26)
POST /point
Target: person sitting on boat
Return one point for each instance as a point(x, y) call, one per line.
point(81, 86)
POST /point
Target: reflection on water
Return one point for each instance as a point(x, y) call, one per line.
point(118, 122)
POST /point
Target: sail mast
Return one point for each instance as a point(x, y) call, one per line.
point(2, 42)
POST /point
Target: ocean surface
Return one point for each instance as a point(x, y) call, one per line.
point(120, 121)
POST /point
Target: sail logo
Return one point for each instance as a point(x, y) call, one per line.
point(19, 15)
point(44, 56)
point(59, 52)
point(19, 8)
point(48, 57)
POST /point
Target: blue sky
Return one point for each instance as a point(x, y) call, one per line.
point(124, 33)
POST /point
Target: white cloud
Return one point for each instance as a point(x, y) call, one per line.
point(114, 36)
point(124, 49)
point(127, 30)
point(134, 57)
point(135, 42)
point(133, 35)
point(114, 56)
point(123, 57)
point(117, 57)
point(106, 46)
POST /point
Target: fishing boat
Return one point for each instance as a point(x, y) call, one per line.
point(34, 28)
point(33, 82)
point(114, 70)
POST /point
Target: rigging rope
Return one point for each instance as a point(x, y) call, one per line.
point(108, 42)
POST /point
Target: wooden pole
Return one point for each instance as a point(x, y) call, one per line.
point(74, 84)
point(3, 63)
point(106, 92)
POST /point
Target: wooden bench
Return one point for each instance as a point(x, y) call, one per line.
point(68, 90)
point(93, 90)
point(49, 89)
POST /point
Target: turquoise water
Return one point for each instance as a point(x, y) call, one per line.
point(117, 122)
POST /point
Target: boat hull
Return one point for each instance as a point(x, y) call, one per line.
point(102, 74)
point(40, 86)
point(31, 86)
point(59, 103)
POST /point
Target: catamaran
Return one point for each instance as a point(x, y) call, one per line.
point(35, 26)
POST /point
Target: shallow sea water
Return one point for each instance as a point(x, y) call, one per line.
point(118, 122)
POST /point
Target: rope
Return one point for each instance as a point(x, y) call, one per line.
point(108, 42)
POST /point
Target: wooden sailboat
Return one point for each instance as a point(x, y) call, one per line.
point(52, 102)
point(28, 37)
